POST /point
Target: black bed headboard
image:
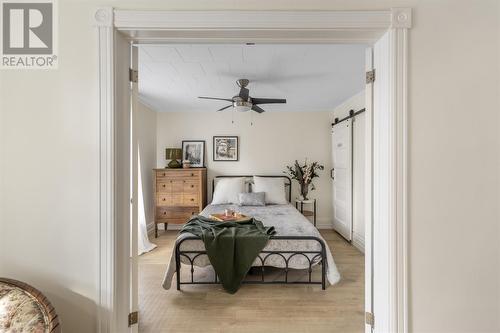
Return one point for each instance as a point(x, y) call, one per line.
point(288, 182)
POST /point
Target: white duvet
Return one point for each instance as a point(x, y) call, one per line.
point(286, 220)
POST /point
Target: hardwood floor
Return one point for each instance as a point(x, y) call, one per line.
point(254, 308)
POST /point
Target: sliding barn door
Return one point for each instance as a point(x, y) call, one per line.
point(342, 178)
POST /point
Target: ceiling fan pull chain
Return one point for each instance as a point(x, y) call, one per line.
point(232, 116)
point(251, 118)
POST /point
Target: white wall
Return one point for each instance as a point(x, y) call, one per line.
point(356, 103)
point(146, 134)
point(49, 157)
point(275, 140)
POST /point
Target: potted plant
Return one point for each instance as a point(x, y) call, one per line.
point(304, 174)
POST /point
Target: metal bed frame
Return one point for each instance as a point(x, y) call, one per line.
point(317, 257)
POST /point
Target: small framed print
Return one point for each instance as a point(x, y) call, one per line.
point(226, 148)
point(194, 152)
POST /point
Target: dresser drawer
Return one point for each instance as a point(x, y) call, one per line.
point(190, 199)
point(170, 185)
point(191, 186)
point(164, 187)
point(183, 174)
point(163, 199)
point(175, 215)
point(169, 199)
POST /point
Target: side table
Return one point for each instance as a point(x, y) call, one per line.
point(299, 204)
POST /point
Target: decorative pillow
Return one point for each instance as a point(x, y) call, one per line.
point(252, 199)
point(273, 187)
point(227, 191)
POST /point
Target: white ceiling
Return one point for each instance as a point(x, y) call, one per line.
point(311, 77)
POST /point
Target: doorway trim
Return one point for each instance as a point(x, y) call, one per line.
point(262, 27)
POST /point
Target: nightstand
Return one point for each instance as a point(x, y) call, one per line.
point(299, 204)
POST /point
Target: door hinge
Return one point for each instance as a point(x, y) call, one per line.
point(370, 76)
point(133, 75)
point(369, 319)
point(133, 318)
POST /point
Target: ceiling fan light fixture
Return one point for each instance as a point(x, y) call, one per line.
point(242, 106)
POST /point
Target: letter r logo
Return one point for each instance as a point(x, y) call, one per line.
point(27, 28)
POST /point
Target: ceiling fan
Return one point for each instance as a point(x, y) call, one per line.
point(243, 102)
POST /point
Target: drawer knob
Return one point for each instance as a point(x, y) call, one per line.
point(163, 185)
point(192, 175)
point(163, 199)
point(192, 199)
point(170, 181)
point(164, 213)
point(164, 174)
point(192, 185)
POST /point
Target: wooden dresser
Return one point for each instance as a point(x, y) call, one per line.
point(179, 193)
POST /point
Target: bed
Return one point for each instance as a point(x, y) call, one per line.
point(297, 245)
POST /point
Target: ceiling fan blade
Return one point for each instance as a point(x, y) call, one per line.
point(244, 93)
point(225, 107)
point(257, 109)
point(267, 100)
point(216, 98)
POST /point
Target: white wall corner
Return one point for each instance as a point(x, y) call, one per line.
point(103, 17)
point(401, 18)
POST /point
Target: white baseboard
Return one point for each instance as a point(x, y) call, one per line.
point(323, 223)
point(359, 242)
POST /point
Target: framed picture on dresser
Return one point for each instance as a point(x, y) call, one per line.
point(194, 152)
point(226, 148)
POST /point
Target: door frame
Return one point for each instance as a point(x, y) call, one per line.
point(256, 26)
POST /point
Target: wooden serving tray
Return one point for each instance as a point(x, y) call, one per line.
point(223, 218)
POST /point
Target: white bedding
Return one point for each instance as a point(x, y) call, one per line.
point(286, 220)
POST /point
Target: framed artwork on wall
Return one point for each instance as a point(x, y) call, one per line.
point(194, 152)
point(226, 148)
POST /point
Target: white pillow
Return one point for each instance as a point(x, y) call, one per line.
point(227, 190)
point(273, 187)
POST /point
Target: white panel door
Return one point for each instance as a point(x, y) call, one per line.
point(342, 178)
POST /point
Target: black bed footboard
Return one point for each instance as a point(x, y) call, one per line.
point(316, 257)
